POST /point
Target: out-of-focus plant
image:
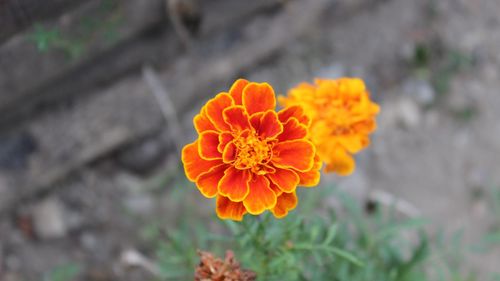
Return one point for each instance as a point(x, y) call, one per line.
point(66, 272)
point(340, 244)
point(102, 26)
point(315, 242)
point(437, 64)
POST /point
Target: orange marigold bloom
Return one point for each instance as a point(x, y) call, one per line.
point(248, 156)
point(342, 116)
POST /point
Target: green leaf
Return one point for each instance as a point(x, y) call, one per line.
point(409, 224)
point(346, 255)
point(332, 232)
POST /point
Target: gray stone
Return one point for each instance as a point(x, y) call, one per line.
point(48, 219)
point(402, 111)
point(420, 90)
point(408, 113)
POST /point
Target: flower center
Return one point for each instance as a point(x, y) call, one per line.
point(252, 152)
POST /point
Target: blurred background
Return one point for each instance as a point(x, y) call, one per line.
point(97, 97)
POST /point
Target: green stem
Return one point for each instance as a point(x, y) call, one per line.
point(257, 232)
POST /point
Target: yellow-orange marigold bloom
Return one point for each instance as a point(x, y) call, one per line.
point(248, 156)
point(342, 116)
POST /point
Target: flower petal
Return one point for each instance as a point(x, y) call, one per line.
point(202, 123)
point(354, 143)
point(292, 130)
point(214, 110)
point(207, 145)
point(234, 184)
point(236, 117)
point(224, 139)
point(365, 126)
point(258, 97)
point(270, 126)
point(340, 162)
point(255, 120)
point(285, 203)
point(227, 209)
point(261, 196)
point(194, 165)
point(229, 154)
point(286, 180)
point(236, 90)
point(296, 154)
point(275, 188)
point(311, 178)
point(294, 111)
point(207, 182)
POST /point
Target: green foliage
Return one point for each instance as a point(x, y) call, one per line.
point(332, 244)
point(101, 26)
point(66, 272)
point(51, 38)
point(289, 249)
point(316, 242)
point(439, 65)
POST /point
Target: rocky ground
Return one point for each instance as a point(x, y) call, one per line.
point(77, 174)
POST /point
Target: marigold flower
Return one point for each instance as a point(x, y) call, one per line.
point(342, 116)
point(248, 156)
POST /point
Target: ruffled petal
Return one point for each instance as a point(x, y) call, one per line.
point(207, 182)
point(258, 97)
point(194, 165)
point(292, 130)
point(340, 162)
point(229, 154)
point(275, 188)
point(270, 126)
point(207, 145)
point(224, 139)
point(234, 184)
point(285, 203)
point(261, 196)
point(236, 90)
point(214, 109)
point(227, 209)
point(286, 180)
point(202, 123)
point(296, 154)
point(255, 120)
point(311, 178)
point(353, 143)
point(365, 126)
point(237, 118)
point(295, 111)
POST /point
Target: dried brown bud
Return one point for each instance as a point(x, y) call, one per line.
point(212, 268)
